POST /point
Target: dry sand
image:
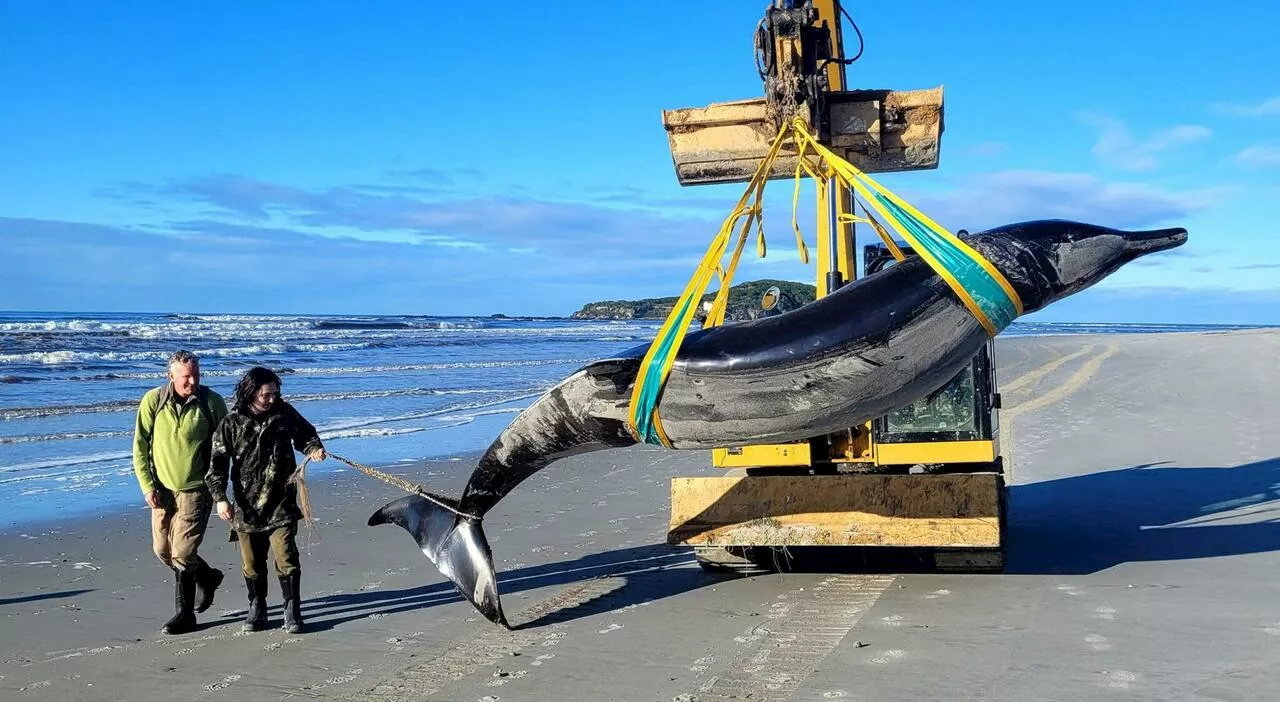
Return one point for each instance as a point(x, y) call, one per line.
point(1142, 564)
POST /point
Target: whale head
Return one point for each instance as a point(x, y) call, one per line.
point(1047, 260)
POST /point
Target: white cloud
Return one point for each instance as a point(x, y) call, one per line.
point(628, 229)
point(242, 267)
point(400, 249)
point(1012, 196)
point(1262, 154)
point(1119, 147)
point(1261, 109)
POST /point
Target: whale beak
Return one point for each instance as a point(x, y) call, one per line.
point(1141, 243)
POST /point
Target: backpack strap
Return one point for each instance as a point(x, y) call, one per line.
point(162, 399)
point(202, 399)
point(166, 392)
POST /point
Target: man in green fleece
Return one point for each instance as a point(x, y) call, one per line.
point(172, 443)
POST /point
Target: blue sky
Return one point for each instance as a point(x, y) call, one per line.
point(408, 157)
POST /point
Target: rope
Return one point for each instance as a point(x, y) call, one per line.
point(299, 478)
point(403, 485)
point(304, 495)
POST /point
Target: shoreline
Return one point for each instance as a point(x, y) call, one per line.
point(334, 474)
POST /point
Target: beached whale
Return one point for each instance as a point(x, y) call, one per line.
point(868, 349)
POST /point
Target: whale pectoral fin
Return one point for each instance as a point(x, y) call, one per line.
point(455, 544)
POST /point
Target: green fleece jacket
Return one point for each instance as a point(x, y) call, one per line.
point(177, 444)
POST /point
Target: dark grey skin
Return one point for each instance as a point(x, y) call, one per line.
point(868, 349)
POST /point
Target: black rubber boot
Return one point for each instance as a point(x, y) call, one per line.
point(207, 582)
point(256, 618)
point(290, 585)
point(184, 595)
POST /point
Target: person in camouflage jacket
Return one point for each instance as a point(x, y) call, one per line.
point(253, 451)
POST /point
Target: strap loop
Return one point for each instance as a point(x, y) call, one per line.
point(982, 289)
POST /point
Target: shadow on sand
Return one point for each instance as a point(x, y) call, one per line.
point(1154, 512)
point(643, 573)
point(41, 596)
point(1076, 525)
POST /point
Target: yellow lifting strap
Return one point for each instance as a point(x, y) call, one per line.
point(643, 420)
point(894, 249)
point(979, 285)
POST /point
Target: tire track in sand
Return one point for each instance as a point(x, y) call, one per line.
point(804, 627)
point(492, 645)
point(1068, 388)
point(543, 625)
point(1034, 375)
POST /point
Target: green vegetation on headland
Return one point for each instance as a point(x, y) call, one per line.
point(744, 303)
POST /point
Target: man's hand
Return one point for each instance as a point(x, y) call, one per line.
point(317, 455)
point(153, 499)
point(224, 511)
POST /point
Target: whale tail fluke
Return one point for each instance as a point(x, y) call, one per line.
point(454, 543)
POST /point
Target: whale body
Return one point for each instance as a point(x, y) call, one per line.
point(866, 350)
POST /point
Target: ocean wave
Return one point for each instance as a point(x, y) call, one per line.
point(201, 327)
point(401, 392)
point(482, 413)
point(344, 370)
point(55, 325)
point(59, 335)
point(12, 413)
point(94, 326)
point(371, 433)
point(296, 333)
point(394, 323)
point(64, 462)
point(253, 332)
point(454, 365)
point(451, 416)
point(451, 325)
point(356, 324)
point(453, 420)
point(72, 476)
point(55, 358)
point(235, 317)
point(438, 412)
point(64, 436)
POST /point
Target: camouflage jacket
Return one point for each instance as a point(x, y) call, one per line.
point(256, 453)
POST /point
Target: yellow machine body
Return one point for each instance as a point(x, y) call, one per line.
point(889, 482)
point(945, 511)
point(878, 131)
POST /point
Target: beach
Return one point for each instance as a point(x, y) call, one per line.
point(1142, 553)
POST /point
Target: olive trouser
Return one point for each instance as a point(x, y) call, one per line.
point(178, 527)
point(281, 542)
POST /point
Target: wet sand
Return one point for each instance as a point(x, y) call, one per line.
point(1142, 554)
